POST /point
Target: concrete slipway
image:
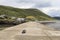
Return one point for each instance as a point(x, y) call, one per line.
point(34, 31)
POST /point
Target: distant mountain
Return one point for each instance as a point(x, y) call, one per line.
point(24, 13)
point(58, 18)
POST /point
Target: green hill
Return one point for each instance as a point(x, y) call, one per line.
point(24, 13)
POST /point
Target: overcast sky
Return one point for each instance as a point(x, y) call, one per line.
point(50, 7)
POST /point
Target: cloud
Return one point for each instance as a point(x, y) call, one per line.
point(52, 11)
point(15, 3)
point(42, 5)
point(31, 3)
point(37, 3)
point(25, 3)
point(55, 3)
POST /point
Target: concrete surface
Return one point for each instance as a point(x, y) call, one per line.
point(34, 31)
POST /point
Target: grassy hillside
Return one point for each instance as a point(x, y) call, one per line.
point(24, 13)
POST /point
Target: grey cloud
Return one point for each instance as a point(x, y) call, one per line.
point(54, 13)
point(42, 5)
point(38, 3)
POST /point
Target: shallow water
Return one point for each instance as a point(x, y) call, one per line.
point(55, 25)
